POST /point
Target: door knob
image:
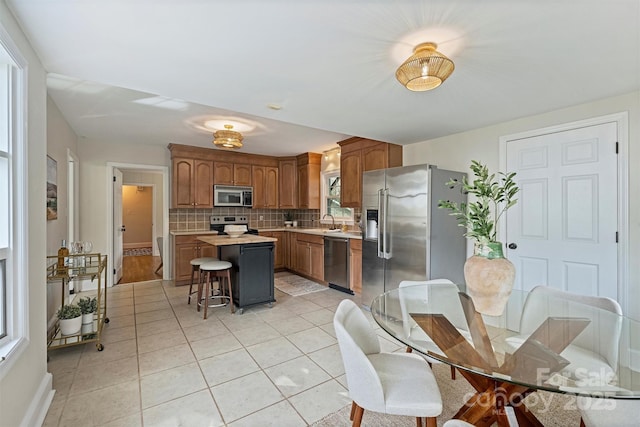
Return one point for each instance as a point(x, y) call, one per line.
point(512, 246)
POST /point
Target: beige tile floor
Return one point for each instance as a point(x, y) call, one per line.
point(163, 365)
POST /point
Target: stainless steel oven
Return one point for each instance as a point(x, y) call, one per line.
point(230, 195)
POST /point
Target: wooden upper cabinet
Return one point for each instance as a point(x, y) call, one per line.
point(309, 181)
point(351, 179)
point(265, 186)
point(287, 184)
point(360, 155)
point(226, 173)
point(192, 183)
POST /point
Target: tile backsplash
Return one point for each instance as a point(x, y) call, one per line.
point(198, 219)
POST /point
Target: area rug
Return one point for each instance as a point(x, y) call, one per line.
point(552, 409)
point(137, 252)
point(295, 285)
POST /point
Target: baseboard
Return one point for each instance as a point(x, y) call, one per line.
point(137, 245)
point(40, 403)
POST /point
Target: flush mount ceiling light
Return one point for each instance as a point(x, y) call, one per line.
point(227, 138)
point(426, 69)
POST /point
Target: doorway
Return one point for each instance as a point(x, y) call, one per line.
point(139, 264)
point(157, 178)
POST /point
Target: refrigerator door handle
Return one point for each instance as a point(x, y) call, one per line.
point(385, 234)
point(380, 240)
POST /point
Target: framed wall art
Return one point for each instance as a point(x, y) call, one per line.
point(52, 189)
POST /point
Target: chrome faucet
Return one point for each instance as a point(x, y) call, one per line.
point(333, 221)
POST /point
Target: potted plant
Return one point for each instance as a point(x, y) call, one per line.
point(70, 317)
point(288, 218)
point(488, 274)
point(88, 306)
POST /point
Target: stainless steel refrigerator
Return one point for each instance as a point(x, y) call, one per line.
point(405, 235)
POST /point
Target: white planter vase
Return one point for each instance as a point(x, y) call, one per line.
point(489, 278)
point(87, 318)
point(70, 326)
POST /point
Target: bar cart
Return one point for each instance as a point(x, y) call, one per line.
point(80, 267)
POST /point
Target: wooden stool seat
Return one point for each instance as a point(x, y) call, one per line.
point(195, 267)
point(210, 270)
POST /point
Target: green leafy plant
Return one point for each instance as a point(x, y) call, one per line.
point(69, 311)
point(288, 215)
point(88, 305)
point(493, 196)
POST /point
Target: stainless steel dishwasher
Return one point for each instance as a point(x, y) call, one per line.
point(336, 263)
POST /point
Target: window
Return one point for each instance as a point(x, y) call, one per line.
point(13, 204)
point(331, 199)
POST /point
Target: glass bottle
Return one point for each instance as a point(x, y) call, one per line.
point(63, 257)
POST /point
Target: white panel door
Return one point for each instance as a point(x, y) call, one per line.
point(118, 226)
point(562, 231)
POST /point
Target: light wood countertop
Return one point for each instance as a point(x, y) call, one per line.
point(245, 239)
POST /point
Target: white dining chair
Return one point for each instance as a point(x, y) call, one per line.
point(594, 352)
point(414, 295)
point(389, 383)
point(608, 412)
point(457, 423)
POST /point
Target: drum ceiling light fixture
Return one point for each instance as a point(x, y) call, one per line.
point(227, 138)
point(426, 69)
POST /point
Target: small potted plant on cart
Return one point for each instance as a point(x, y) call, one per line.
point(70, 318)
point(88, 306)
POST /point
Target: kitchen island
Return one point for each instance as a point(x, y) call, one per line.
point(252, 273)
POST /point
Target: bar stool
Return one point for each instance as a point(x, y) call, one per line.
point(195, 267)
point(213, 269)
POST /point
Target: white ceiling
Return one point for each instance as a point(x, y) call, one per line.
point(329, 64)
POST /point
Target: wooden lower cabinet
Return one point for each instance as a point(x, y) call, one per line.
point(355, 265)
point(278, 248)
point(309, 256)
point(187, 248)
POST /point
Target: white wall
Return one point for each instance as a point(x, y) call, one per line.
point(26, 386)
point(456, 152)
point(60, 138)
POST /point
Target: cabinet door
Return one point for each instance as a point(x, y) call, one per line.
point(270, 187)
point(290, 251)
point(203, 184)
point(287, 184)
point(317, 261)
point(303, 193)
point(206, 250)
point(375, 157)
point(303, 258)
point(278, 250)
point(259, 195)
point(355, 265)
point(351, 179)
point(183, 255)
point(241, 174)
point(223, 173)
point(182, 183)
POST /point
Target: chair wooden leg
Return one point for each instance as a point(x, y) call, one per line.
point(193, 271)
point(431, 422)
point(200, 289)
point(418, 421)
point(581, 422)
point(453, 373)
point(207, 289)
point(233, 308)
point(357, 419)
point(353, 410)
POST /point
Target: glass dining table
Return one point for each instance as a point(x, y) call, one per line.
point(542, 341)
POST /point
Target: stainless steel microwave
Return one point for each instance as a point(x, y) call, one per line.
point(231, 195)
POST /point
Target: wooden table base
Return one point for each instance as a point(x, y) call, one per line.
point(493, 397)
